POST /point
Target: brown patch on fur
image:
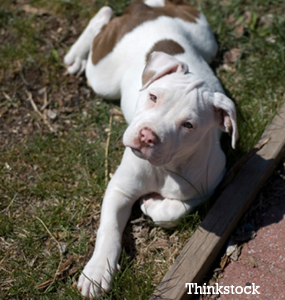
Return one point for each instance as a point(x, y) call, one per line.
point(134, 15)
point(168, 46)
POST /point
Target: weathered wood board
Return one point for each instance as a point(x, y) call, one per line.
point(203, 248)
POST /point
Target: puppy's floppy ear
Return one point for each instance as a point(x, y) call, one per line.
point(159, 65)
point(225, 115)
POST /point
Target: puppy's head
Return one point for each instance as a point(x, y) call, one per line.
point(175, 112)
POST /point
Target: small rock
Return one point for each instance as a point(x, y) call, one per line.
point(7, 166)
point(51, 114)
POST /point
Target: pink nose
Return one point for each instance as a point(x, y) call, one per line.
point(148, 137)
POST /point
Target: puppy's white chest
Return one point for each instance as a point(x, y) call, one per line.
point(178, 188)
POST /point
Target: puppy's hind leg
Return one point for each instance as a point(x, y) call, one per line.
point(76, 58)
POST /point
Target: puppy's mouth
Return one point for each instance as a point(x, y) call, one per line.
point(138, 152)
point(142, 152)
point(148, 153)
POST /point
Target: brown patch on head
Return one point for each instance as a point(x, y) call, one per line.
point(134, 15)
point(168, 46)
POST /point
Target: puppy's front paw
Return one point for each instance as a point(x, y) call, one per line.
point(146, 206)
point(163, 212)
point(150, 203)
point(96, 278)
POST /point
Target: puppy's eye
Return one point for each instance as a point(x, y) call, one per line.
point(153, 98)
point(187, 125)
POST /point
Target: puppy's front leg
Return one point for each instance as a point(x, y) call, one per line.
point(97, 275)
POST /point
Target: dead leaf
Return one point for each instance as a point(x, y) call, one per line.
point(115, 111)
point(117, 114)
point(247, 17)
point(235, 255)
point(252, 261)
point(33, 10)
point(232, 55)
point(227, 68)
point(231, 19)
point(233, 250)
point(230, 248)
point(239, 30)
point(3, 112)
point(224, 261)
point(266, 20)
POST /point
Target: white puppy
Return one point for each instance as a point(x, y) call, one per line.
point(155, 58)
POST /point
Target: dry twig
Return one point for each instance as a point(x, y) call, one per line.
point(59, 248)
point(8, 207)
point(107, 151)
point(38, 112)
point(65, 269)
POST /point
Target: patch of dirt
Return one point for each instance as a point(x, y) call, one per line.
point(32, 88)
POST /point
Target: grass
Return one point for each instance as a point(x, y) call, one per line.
point(52, 178)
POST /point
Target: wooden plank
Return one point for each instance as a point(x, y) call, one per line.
point(203, 248)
